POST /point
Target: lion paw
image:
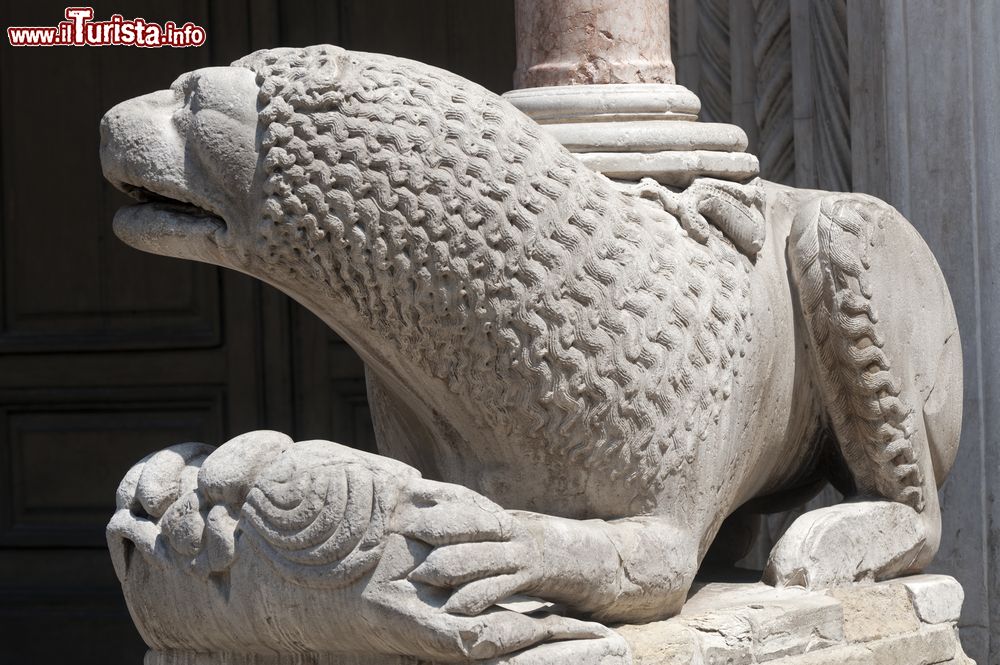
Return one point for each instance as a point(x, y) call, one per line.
point(485, 572)
point(147, 493)
point(184, 502)
point(849, 543)
point(503, 637)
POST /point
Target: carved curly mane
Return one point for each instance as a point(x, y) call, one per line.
point(571, 314)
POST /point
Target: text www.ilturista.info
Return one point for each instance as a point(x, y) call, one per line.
point(79, 29)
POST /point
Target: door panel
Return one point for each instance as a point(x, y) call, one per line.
point(107, 353)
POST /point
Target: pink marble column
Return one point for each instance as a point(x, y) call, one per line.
point(578, 42)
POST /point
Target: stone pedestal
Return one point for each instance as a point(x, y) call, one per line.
point(909, 621)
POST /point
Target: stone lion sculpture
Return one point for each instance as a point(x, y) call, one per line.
point(578, 380)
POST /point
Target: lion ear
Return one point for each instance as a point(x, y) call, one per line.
point(328, 76)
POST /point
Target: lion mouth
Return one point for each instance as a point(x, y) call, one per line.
point(170, 226)
point(168, 204)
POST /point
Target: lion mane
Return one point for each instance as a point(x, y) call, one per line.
point(572, 314)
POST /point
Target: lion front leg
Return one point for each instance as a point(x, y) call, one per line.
point(262, 538)
point(629, 570)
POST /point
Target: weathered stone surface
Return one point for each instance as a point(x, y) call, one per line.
point(936, 598)
point(907, 63)
point(731, 624)
point(675, 169)
point(740, 623)
point(928, 646)
point(874, 612)
point(598, 373)
point(662, 643)
point(755, 623)
point(648, 136)
point(609, 102)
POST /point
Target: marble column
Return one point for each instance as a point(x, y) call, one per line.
point(580, 42)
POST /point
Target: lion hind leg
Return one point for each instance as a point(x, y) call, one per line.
point(861, 541)
point(862, 391)
point(878, 359)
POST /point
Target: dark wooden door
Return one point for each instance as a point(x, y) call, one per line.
point(107, 353)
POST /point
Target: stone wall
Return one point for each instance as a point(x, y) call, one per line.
point(896, 98)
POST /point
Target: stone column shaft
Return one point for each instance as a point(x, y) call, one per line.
point(579, 42)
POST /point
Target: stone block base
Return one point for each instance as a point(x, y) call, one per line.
point(910, 621)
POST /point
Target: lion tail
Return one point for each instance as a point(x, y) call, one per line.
point(873, 422)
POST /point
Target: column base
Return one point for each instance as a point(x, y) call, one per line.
point(631, 131)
